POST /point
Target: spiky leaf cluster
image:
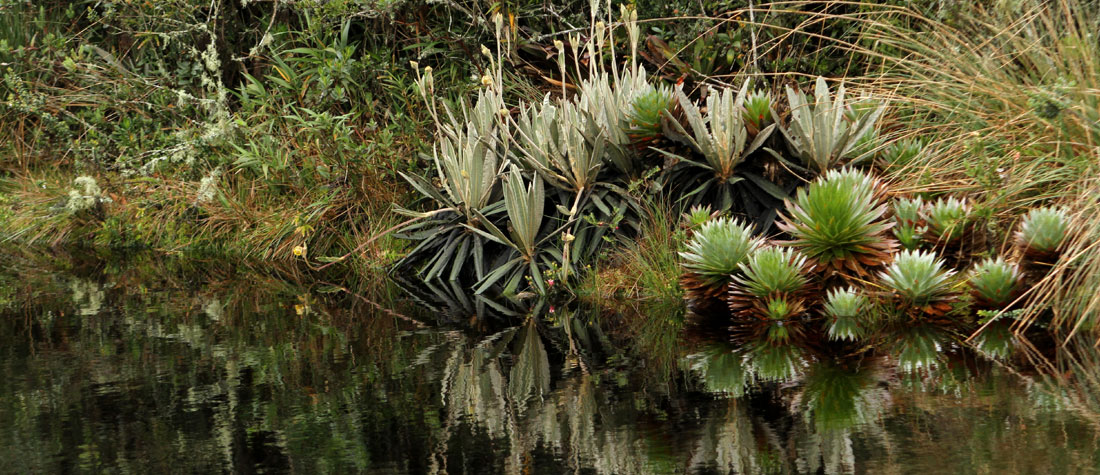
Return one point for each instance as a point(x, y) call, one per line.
point(846, 309)
point(723, 141)
point(995, 282)
point(773, 285)
point(901, 153)
point(781, 308)
point(713, 254)
point(720, 135)
point(561, 144)
point(608, 102)
point(920, 282)
point(757, 111)
point(697, 216)
point(837, 221)
point(646, 112)
point(524, 204)
point(1042, 231)
point(469, 165)
point(824, 132)
point(909, 226)
point(946, 219)
point(467, 158)
point(773, 270)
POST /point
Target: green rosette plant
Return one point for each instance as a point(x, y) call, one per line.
point(696, 217)
point(838, 222)
point(757, 112)
point(919, 284)
point(1042, 233)
point(646, 113)
point(909, 225)
point(994, 282)
point(846, 309)
point(901, 154)
point(946, 219)
point(713, 254)
point(773, 285)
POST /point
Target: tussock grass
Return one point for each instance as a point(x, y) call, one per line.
point(1011, 97)
point(243, 221)
point(644, 268)
point(1068, 292)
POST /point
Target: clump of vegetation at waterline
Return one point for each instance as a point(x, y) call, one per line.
point(529, 195)
point(842, 277)
point(286, 131)
point(989, 151)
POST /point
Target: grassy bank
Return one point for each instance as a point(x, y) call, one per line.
point(255, 127)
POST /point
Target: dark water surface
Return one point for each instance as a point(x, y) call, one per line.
point(144, 366)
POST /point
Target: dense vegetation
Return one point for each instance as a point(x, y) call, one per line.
point(940, 167)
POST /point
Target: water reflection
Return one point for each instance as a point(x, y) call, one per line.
point(920, 399)
point(150, 365)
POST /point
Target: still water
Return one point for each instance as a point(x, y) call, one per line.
point(160, 366)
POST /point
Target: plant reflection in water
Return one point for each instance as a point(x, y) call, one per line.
point(144, 365)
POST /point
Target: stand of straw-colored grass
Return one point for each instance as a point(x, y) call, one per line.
point(1010, 95)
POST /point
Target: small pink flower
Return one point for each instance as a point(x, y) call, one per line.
point(550, 282)
point(551, 309)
